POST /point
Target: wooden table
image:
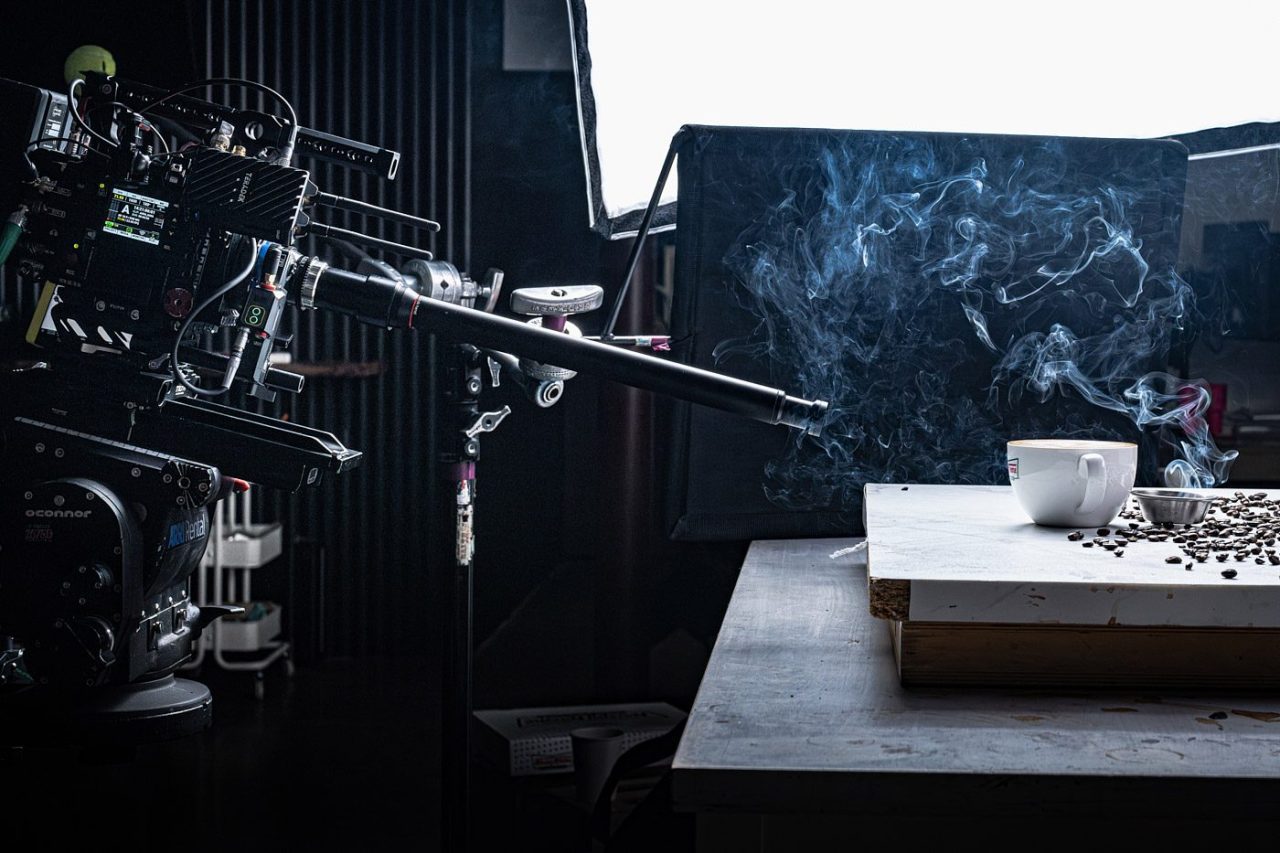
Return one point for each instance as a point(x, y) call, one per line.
point(801, 731)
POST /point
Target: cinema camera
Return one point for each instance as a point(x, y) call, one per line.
point(114, 448)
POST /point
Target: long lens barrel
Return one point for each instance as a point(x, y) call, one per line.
point(383, 302)
point(726, 393)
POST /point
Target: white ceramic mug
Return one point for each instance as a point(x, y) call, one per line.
point(1070, 483)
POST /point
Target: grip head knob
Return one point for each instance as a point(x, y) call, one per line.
point(557, 301)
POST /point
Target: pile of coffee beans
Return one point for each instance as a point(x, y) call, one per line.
point(1240, 528)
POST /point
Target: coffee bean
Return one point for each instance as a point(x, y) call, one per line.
point(1229, 574)
point(1075, 536)
point(1104, 531)
point(1173, 559)
point(1087, 544)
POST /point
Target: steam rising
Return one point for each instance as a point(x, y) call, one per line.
point(875, 275)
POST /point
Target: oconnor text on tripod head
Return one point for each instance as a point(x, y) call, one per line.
point(114, 447)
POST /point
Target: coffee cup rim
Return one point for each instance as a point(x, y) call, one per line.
point(1035, 442)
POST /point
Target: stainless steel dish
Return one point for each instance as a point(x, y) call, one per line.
point(1173, 506)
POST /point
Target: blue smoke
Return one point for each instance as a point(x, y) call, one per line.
point(858, 280)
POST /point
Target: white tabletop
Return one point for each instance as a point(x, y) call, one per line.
point(969, 554)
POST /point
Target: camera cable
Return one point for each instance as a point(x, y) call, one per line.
point(174, 364)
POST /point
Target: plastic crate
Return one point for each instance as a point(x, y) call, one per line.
point(240, 635)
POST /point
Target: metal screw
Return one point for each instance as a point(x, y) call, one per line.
point(59, 500)
point(473, 385)
point(88, 496)
point(28, 495)
point(59, 452)
point(82, 569)
point(134, 314)
point(39, 447)
point(80, 600)
point(167, 478)
point(100, 305)
point(136, 472)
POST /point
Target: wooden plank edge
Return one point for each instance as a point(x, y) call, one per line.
point(890, 599)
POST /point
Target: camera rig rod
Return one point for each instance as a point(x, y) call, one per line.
point(355, 205)
point(333, 232)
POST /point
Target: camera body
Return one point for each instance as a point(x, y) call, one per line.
point(114, 452)
point(126, 255)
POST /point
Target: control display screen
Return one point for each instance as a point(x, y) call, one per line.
point(137, 217)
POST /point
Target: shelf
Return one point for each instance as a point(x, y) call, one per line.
point(252, 546)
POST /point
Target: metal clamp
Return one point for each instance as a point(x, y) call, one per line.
point(487, 422)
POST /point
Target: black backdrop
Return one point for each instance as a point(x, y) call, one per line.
point(866, 268)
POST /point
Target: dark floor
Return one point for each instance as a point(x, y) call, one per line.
point(341, 756)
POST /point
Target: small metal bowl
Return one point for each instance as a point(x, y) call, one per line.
point(1173, 506)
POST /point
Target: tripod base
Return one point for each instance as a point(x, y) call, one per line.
point(164, 709)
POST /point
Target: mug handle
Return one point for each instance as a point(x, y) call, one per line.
point(1094, 469)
